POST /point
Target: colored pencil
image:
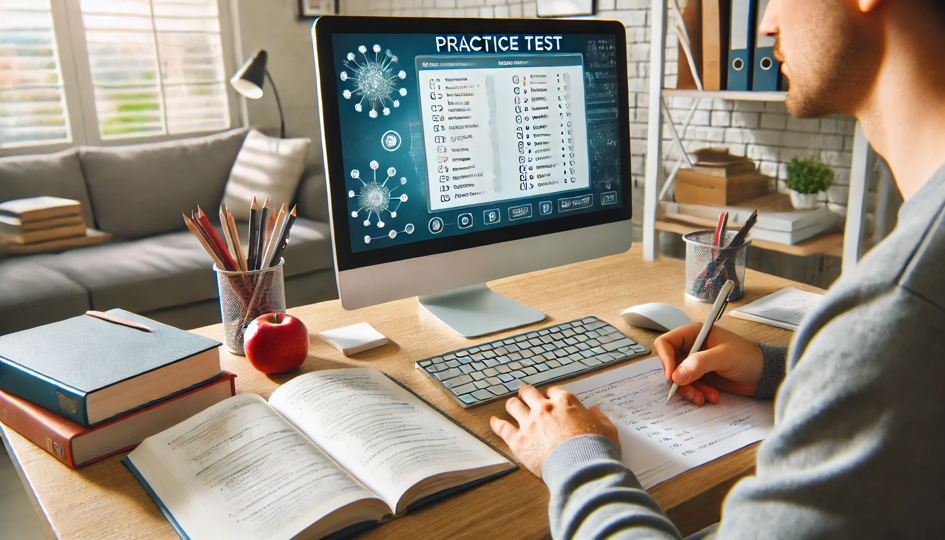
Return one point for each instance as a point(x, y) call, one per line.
point(261, 235)
point(253, 232)
point(284, 239)
point(227, 233)
point(274, 237)
point(215, 241)
point(234, 232)
point(203, 241)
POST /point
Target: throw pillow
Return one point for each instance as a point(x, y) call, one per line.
point(265, 167)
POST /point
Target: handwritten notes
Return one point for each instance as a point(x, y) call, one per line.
point(658, 440)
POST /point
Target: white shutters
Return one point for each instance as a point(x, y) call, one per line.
point(156, 66)
point(32, 99)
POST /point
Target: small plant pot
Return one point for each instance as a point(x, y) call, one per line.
point(804, 201)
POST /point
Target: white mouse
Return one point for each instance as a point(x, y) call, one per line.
point(655, 316)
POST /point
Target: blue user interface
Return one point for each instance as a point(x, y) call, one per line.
point(443, 135)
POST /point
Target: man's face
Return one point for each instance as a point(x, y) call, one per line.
point(828, 52)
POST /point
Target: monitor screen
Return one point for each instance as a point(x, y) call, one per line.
point(449, 136)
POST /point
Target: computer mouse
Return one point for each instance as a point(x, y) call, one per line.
point(655, 316)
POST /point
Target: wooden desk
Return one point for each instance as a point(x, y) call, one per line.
point(103, 500)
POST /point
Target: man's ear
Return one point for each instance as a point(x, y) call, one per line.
point(867, 6)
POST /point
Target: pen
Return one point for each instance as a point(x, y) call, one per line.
point(714, 314)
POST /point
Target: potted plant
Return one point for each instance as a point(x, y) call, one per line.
point(806, 178)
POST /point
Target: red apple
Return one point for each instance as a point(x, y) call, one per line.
point(276, 343)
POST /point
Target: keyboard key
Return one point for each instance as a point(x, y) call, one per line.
point(471, 350)
point(489, 354)
point(514, 385)
point(501, 351)
point(509, 341)
point(437, 367)
point(597, 350)
point(425, 363)
point(449, 357)
point(638, 348)
point(477, 375)
point(457, 381)
point(512, 348)
point(549, 347)
point(466, 369)
point(553, 363)
point(483, 394)
point(490, 372)
point(566, 360)
point(499, 389)
point(529, 370)
point(567, 333)
point(468, 399)
point(481, 384)
point(505, 377)
point(588, 353)
point(565, 325)
point(543, 332)
point(549, 356)
point(493, 381)
point(549, 374)
point(593, 343)
point(478, 366)
point(464, 389)
point(541, 367)
point(515, 356)
point(589, 320)
point(521, 338)
point(515, 365)
point(527, 353)
point(463, 353)
point(536, 342)
point(447, 374)
point(517, 374)
point(503, 368)
point(527, 362)
point(491, 362)
point(478, 357)
point(452, 363)
point(486, 347)
point(614, 345)
point(590, 362)
point(531, 335)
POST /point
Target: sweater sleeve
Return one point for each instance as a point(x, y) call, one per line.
point(593, 495)
point(773, 374)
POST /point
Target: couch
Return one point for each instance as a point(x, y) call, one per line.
point(154, 266)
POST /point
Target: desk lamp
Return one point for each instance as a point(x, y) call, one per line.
point(249, 79)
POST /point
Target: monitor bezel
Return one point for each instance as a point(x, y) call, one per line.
point(324, 29)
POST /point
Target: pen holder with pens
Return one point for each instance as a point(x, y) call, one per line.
point(245, 296)
point(709, 266)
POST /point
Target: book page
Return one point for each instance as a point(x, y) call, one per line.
point(658, 440)
point(379, 432)
point(239, 470)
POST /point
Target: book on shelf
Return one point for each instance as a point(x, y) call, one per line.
point(89, 370)
point(37, 208)
point(43, 235)
point(697, 188)
point(330, 451)
point(10, 224)
point(715, 33)
point(77, 446)
point(725, 170)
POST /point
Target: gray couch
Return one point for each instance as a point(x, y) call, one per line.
point(154, 266)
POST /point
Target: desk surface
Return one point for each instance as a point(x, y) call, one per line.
point(103, 499)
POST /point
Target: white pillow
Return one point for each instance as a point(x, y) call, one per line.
point(265, 167)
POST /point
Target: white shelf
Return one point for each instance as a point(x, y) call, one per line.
point(726, 94)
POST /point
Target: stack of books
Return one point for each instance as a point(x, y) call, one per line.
point(720, 179)
point(40, 219)
point(92, 386)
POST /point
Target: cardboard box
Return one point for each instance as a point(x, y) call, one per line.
point(696, 188)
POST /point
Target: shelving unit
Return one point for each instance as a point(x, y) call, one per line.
point(849, 244)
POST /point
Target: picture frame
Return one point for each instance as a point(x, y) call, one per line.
point(566, 8)
point(316, 8)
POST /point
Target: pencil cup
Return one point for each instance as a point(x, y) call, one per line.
point(245, 296)
point(708, 266)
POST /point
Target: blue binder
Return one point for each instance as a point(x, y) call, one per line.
point(766, 73)
point(741, 45)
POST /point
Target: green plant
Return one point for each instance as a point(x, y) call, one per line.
point(808, 176)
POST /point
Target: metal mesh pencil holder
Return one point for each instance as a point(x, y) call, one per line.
point(245, 296)
point(708, 266)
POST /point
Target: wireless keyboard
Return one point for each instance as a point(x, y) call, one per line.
point(497, 369)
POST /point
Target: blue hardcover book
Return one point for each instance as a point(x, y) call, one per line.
point(766, 74)
point(89, 370)
point(741, 45)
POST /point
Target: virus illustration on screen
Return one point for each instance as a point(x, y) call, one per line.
point(377, 199)
point(374, 80)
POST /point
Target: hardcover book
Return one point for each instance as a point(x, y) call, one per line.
point(88, 370)
point(331, 451)
point(76, 446)
point(36, 208)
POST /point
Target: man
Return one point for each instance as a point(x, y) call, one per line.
point(858, 449)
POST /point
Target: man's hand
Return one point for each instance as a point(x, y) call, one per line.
point(546, 422)
point(728, 362)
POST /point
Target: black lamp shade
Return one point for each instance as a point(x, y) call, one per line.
point(249, 79)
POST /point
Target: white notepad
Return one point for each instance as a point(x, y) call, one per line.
point(658, 440)
point(353, 339)
point(783, 309)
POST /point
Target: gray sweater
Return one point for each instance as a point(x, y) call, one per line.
point(858, 449)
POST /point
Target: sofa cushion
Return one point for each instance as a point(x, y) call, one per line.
point(32, 294)
point(56, 175)
point(312, 196)
point(140, 190)
point(265, 167)
point(172, 269)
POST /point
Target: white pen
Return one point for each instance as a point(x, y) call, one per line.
point(714, 314)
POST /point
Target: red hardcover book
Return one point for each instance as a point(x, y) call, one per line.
point(75, 445)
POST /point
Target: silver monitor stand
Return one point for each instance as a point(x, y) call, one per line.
point(477, 310)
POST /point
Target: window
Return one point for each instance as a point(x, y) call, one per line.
point(142, 69)
point(32, 100)
point(156, 66)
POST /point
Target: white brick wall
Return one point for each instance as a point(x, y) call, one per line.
point(765, 132)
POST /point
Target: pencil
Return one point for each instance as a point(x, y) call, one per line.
point(236, 240)
point(261, 235)
point(253, 232)
point(274, 237)
point(284, 238)
point(203, 241)
point(215, 242)
point(269, 226)
point(226, 233)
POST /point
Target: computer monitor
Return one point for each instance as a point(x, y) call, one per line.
point(459, 151)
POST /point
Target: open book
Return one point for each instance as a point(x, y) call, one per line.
point(330, 450)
